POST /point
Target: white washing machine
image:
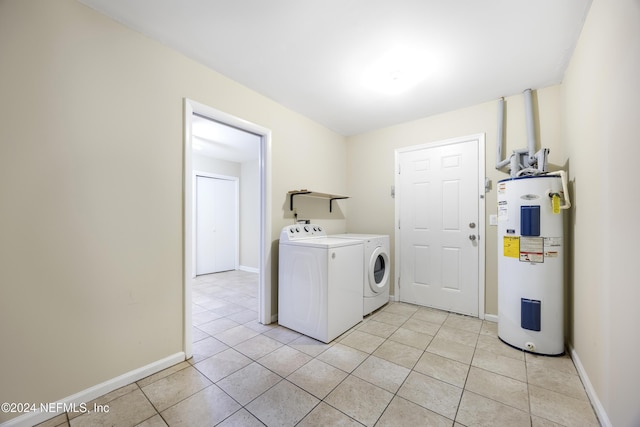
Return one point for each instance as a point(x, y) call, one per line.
point(377, 269)
point(319, 282)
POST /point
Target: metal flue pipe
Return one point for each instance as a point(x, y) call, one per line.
point(531, 130)
point(500, 162)
point(500, 136)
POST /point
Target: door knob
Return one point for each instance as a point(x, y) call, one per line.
point(472, 237)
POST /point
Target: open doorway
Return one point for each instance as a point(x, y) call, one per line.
point(235, 134)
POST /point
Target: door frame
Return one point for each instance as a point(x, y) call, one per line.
point(235, 180)
point(264, 161)
point(480, 140)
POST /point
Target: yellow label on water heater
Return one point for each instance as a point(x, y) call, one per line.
point(512, 246)
point(555, 203)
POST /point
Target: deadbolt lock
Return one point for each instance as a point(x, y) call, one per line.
point(472, 225)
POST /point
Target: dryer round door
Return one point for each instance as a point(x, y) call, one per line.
point(379, 270)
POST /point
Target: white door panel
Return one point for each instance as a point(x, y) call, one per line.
point(216, 225)
point(438, 202)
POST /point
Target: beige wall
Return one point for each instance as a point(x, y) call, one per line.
point(601, 113)
point(91, 175)
point(371, 163)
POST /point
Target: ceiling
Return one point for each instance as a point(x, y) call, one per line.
point(345, 63)
point(220, 141)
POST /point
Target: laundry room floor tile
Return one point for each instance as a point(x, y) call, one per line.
point(560, 408)
point(403, 365)
point(222, 364)
point(382, 373)
point(317, 378)
point(376, 328)
point(249, 382)
point(451, 350)
point(398, 353)
point(421, 326)
point(173, 388)
point(478, 410)
point(412, 338)
point(430, 393)
point(498, 387)
point(430, 315)
point(442, 368)
point(343, 357)
point(493, 345)
point(282, 405)
point(402, 413)
point(325, 415)
point(362, 341)
point(309, 346)
point(359, 399)
point(206, 407)
point(502, 365)
point(284, 360)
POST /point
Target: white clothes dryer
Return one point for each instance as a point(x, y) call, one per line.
point(377, 269)
point(319, 282)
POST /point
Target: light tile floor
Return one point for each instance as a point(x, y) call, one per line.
point(404, 365)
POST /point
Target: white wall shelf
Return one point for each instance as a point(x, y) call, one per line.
point(309, 193)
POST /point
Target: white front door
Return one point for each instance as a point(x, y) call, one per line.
point(216, 225)
point(439, 218)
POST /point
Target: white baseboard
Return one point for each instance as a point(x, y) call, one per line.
point(591, 393)
point(491, 317)
point(96, 391)
point(249, 269)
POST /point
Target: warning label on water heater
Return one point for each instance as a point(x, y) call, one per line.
point(551, 246)
point(511, 246)
point(532, 249)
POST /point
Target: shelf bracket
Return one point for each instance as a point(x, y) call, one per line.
point(331, 202)
point(295, 194)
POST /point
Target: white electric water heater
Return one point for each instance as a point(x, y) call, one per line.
point(531, 263)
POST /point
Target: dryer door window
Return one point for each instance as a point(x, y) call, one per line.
point(379, 268)
point(379, 271)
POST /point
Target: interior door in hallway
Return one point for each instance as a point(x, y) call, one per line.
point(216, 225)
point(438, 220)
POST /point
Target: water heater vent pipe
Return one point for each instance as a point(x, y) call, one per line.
point(531, 129)
point(524, 160)
point(500, 163)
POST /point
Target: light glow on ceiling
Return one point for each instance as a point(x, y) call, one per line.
point(397, 71)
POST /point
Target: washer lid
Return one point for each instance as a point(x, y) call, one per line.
point(360, 236)
point(323, 242)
